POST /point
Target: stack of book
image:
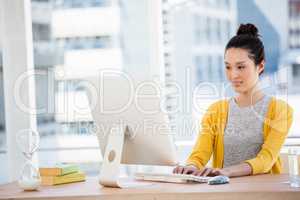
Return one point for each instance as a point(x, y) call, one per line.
point(61, 174)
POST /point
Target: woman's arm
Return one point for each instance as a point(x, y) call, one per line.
point(243, 169)
point(265, 159)
point(203, 148)
point(278, 130)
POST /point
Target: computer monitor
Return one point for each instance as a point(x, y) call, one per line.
point(131, 124)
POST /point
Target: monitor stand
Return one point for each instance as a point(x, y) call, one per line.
point(109, 174)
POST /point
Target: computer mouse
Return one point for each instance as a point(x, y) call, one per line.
point(218, 180)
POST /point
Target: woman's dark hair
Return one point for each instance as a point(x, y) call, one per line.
point(247, 38)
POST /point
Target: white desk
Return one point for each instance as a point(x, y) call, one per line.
point(264, 187)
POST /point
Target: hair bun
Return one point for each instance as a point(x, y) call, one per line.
point(248, 29)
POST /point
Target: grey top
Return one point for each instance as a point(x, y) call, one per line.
point(243, 135)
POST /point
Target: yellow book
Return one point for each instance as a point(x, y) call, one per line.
point(68, 178)
point(58, 170)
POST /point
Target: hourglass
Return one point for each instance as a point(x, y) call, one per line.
point(28, 141)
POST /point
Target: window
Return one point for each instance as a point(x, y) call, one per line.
point(41, 0)
point(224, 31)
point(80, 4)
point(213, 30)
point(76, 43)
point(200, 29)
point(227, 4)
point(99, 2)
point(208, 29)
point(63, 134)
point(42, 32)
point(221, 68)
point(101, 42)
point(212, 3)
point(84, 42)
point(76, 3)
point(3, 148)
point(197, 32)
point(215, 69)
point(209, 66)
point(296, 70)
point(218, 31)
point(199, 69)
point(228, 29)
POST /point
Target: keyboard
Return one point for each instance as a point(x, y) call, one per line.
point(171, 178)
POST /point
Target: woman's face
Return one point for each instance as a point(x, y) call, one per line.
point(240, 70)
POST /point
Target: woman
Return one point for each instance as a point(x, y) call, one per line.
point(246, 132)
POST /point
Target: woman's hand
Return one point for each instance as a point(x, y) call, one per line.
point(207, 171)
point(243, 169)
point(189, 169)
point(218, 172)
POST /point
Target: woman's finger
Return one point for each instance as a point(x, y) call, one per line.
point(180, 170)
point(188, 170)
point(177, 170)
point(207, 172)
point(215, 172)
point(202, 171)
point(195, 172)
point(198, 173)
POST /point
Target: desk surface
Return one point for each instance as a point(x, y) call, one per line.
point(266, 187)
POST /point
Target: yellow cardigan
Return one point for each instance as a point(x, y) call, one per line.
point(210, 140)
